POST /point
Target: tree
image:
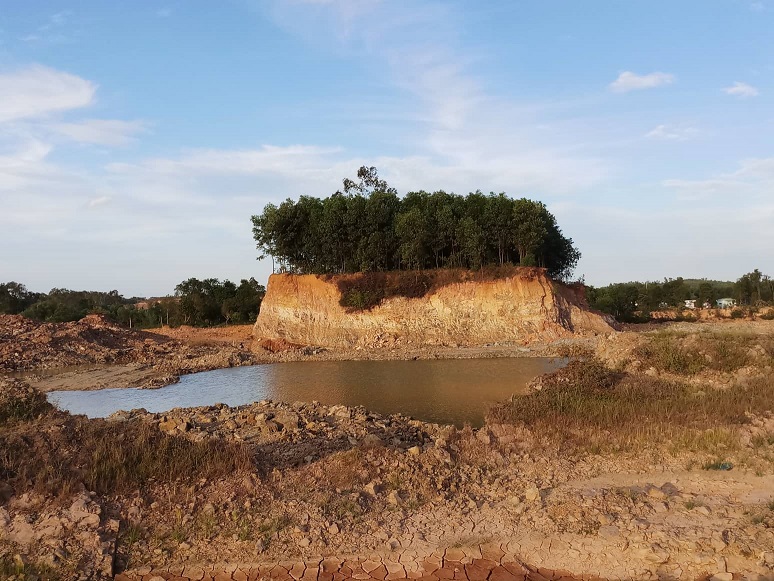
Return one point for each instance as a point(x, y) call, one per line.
point(412, 236)
point(14, 298)
point(367, 227)
point(529, 229)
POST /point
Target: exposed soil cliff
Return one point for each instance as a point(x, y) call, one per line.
point(523, 306)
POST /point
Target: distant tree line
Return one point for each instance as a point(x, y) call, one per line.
point(636, 300)
point(367, 227)
point(207, 302)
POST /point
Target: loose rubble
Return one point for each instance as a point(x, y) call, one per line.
point(96, 345)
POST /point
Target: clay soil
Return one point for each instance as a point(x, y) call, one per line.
point(580, 478)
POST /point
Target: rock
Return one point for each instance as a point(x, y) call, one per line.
point(394, 498)
point(722, 577)
point(21, 531)
point(333, 529)
point(134, 514)
point(167, 426)
point(532, 494)
point(372, 488)
point(483, 436)
point(208, 509)
point(414, 451)
point(287, 419)
point(656, 493)
point(371, 441)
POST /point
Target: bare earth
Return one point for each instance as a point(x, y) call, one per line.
point(340, 493)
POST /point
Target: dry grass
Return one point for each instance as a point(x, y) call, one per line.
point(19, 403)
point(366, 290)
point(689, 354)
point(14, 569)
point(588, 406)
point(55, 453)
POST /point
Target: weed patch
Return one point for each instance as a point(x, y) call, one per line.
point(55, 454)
point(690, 354)
point(587, 406)
point(20, 403)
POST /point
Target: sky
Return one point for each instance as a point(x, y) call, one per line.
point(137, 138)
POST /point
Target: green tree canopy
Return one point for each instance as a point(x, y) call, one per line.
point(367, 227)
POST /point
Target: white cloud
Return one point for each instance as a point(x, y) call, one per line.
point(52, 31)
point(101, 131)
point(462, 134)
point(753, 180)
point(38, 91)
point(629, 81)
point(672, 132)
point(99, 201)
point(741, 90)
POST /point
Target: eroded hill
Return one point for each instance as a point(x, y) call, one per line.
point(520, 305)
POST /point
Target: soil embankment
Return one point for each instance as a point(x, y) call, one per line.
point(522, 306)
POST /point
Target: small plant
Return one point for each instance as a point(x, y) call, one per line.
point(244, 529)
point(737, 314)
point(132, 534)
point(273, 526)
point(207, 524)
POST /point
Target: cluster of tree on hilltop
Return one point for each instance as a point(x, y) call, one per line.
point(367, 227)
point(196, 302)
point(635, 300)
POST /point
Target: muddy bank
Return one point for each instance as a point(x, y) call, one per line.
point(96, 353)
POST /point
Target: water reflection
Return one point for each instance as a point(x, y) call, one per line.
point(444, 391)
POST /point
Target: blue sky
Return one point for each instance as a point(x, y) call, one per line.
point(137, 138)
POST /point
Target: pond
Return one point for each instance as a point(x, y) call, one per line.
point(453, 391)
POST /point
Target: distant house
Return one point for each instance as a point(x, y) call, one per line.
point(690, 304)
point(726, 303)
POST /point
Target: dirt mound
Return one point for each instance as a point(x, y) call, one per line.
point(26, 344)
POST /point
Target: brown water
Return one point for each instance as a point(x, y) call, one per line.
point(453, 391)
